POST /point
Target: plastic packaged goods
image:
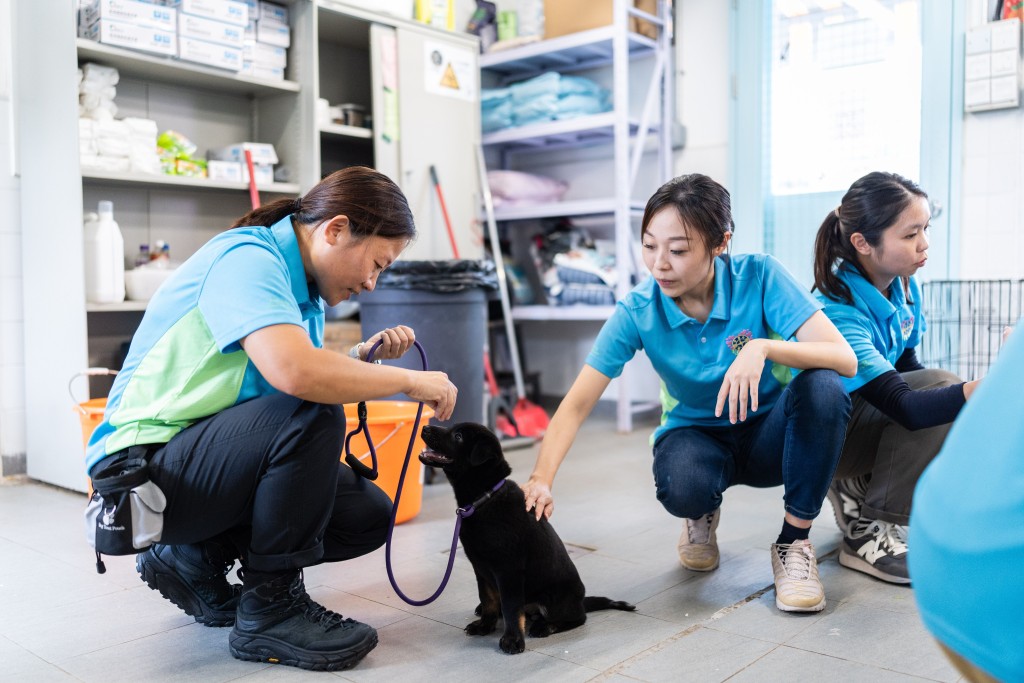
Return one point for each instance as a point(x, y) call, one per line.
point(143, 255)
point(104, 257)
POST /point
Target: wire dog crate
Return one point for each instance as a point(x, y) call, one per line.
point(965, 321)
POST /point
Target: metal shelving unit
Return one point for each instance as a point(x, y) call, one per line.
point(158, 181)
point(627, 132)
point(339, 130)
point(135, 64)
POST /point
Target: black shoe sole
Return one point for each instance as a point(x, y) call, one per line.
point(258, 648)
point(164, 580)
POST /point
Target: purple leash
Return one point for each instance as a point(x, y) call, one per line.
point(371, 474)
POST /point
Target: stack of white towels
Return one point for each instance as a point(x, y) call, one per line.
point(109, 144)
point(96, 91)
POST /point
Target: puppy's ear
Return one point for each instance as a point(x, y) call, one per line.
point(484, 450)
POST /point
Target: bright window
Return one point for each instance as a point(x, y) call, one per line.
point(845, 95)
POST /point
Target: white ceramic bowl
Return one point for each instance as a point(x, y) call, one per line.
point(140, 284)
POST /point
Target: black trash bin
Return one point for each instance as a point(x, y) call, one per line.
point(445, 303)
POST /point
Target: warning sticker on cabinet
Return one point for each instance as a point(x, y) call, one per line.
point(449, 71)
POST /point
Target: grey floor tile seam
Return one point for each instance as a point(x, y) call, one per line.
point(839, 659)
point(42, 660)
point(665, 642)
point(706, 623)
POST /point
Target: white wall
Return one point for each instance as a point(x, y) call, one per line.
point(992, 216)
point(702, 86)
point(991, 235)
point(12, 349)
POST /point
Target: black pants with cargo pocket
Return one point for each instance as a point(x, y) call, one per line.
point(266, 476)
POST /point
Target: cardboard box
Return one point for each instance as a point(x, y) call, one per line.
point(224, 170)
point(131, 36)
point(191, 26)
point(269, 11)
point(264, 174)
point(264, 73)
point(562, 17)
point(129, 12)
point(262, 153)
point(232, 12)
point(210, 54)
point(273, 33)
point(264, 54)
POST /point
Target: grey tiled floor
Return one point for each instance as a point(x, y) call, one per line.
point(60, 621)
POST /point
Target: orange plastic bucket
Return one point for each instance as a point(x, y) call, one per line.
point(90, 414)
point(390, 424)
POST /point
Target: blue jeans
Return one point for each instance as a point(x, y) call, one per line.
point(797, 444)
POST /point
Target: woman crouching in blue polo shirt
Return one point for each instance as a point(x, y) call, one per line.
point(715, 329)
point(866, 253)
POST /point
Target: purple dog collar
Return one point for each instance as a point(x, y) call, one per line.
point(467, 511)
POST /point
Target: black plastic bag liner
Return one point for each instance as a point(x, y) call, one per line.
point(454, 275)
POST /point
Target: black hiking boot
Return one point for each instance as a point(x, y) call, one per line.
point(277, 622)
point(193, 577)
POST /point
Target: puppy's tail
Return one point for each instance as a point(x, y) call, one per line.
point(593, 603)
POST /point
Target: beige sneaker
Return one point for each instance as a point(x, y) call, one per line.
point(698, 544)
point(797, 587)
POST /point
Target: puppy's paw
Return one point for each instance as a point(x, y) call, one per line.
point(512, 643)
point(480, 627)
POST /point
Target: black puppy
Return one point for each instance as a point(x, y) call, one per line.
point(523, 571)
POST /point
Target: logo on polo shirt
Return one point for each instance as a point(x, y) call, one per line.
point(737, 341)
point(907, 326)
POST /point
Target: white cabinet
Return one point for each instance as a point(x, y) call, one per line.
point(614, 160)
point(331, 56)
point(401, 73)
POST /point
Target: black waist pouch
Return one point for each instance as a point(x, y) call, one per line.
point(126, 512)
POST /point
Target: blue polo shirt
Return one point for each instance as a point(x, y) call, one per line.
point(755, 297)
point(879, 329)
point(185, 361)
point(967, 526)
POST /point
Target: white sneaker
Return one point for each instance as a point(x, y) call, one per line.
point(698, 544)
point(797, 587)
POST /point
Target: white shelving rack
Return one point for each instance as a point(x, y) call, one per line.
point(633, 133)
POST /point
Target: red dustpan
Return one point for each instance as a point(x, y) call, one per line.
point(531, 418)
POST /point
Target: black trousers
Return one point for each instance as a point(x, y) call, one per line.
point(894, 456)
point(265, 477)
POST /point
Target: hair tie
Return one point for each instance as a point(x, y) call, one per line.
point(836, 210)
point(297, 205)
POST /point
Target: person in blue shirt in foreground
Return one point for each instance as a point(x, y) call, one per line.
point(967, 530)
point(867, 251)
point(722, 333)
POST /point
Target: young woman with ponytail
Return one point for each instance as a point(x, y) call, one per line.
point(866, 254)
point(228, 389)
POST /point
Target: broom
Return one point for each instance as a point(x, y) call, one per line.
point(529, 417)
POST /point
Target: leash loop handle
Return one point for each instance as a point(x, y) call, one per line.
point(360, 468)
point(350, 458)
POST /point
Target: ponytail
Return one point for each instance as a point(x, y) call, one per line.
point(829, 249)
point(268, 214)
point(373, 203)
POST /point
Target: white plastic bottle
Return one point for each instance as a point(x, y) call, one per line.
point(104, 257)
